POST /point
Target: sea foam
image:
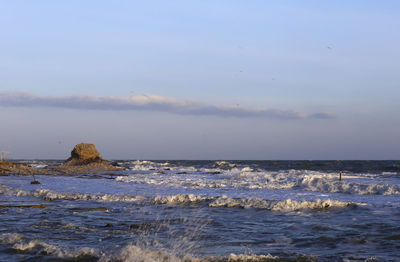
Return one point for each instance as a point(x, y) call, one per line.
point(186, 199)
point(274, 205)
point(249, 179)
point(19, 243)
point(129, 253)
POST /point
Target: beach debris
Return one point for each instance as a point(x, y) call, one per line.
point(34, 182)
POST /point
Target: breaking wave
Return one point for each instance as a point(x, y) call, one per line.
point(274, 205)
point(247, 178)
point(186, 199)
point(224, 165)
point(19, 244)
point(134, 253)
point(318, 184)
point(130, 252)
point(47, 194)
point(180, 199)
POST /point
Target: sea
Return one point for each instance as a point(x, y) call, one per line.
point(205, 211)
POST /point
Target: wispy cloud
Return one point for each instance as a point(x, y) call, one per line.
point(149, 103)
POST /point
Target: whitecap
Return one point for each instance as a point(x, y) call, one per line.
point(180, 199)
point(18, 242)
point(274, 205)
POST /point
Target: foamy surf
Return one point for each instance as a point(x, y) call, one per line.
point(18, 243)
point(286, 205)
point(180, 199)
point(129, 253)
point(247, 178)
point(318, 184)
point(187, 199)
point(135, 253)
point(47, 194)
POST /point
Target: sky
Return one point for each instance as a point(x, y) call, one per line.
point(201, 79)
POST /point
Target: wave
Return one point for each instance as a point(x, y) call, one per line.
point(39, 247)
point(318, 184)
point(134, 253)
point(180, 199)
point(10, 238)
point(186, 199)
point(224, 165)
point(247, 178)
point(130, 252)
point(47, 194)
point(285, 205)
point(145, 165)
point(273, 205)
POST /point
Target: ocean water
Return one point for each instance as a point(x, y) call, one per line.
point(205, 211)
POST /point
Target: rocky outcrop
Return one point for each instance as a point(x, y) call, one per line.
point(85, 159)
point(84, 154)
point(8, 167)
point(15, 168)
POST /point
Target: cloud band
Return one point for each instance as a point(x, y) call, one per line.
point(149, 103)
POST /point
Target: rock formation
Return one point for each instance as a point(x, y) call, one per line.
point(84, 154)
point(7, 167)
point(85, 159)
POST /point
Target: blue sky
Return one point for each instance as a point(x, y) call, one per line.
point(201, 79)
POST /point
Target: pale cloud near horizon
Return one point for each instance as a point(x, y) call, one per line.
point(149, 102)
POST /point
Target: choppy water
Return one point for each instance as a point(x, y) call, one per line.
point(206, 211)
